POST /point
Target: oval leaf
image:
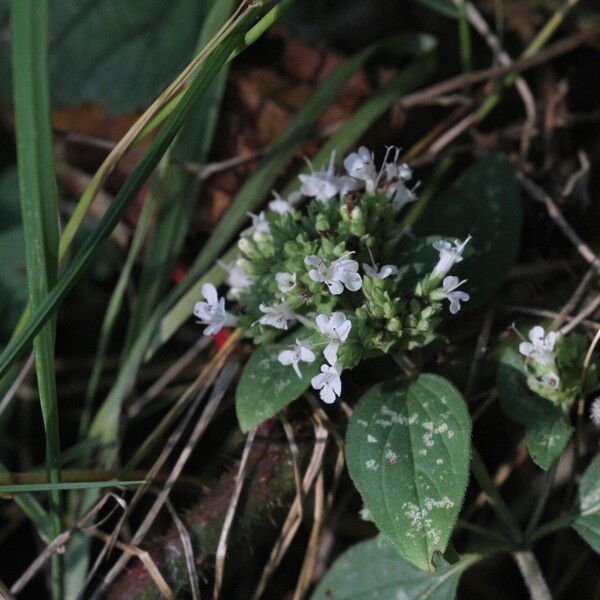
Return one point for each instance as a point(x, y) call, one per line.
point(374, 570)
point(266, 386)
point(407, 450)
point(587, 524)
point(547, 429)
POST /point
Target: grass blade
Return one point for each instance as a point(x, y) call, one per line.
point(66, 485)
point(178, 189)
point(39, 210)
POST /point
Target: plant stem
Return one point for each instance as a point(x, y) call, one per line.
point(482, 531)
point(551, 527)
point(541, 504)
point(532, 574)
point(500, 507)
point(464, 38)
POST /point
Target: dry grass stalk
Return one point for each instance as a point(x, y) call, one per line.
point(233, 502)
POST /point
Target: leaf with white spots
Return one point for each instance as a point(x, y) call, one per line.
point(587, 523)
point(374, 570)
point(547, 428)
point(266, 386)
point(408, 451)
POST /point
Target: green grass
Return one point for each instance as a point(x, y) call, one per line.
point(38, 196)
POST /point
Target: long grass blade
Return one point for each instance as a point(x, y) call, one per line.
point(39, 210)
point(66, 485)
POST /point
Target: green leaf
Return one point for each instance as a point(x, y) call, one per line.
point(373, 570)
point(485, 203)
point(10, 214)
point(38, 196)
point(416, 257)
point(547, 428)
point(407, 450)
point(587, 523)
point(13, 283)
point(72, 485)
point(442, 7)
point(116, 53)
point(266, 386)
point(547, 438)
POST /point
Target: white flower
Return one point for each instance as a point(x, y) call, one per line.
point(397, 176)
point(384, 272)
point(595, 412)
point(341, 273)
point(550, 381)
point(300, 352)
point(328, 382)
point(286, 282)
point(237, 278)
point(276, 316)
point(361, 165)
point(321, 185)
point(212, 312)
point(449, 285)
point(395, 171)
point(541, 346)
point(449, 255)
point(400, 195)
point(348, 184)
point(259, 224)
point(336, 327)
point(281, 206)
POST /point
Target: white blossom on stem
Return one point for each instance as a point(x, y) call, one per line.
point(321, 185)
point(281, 206)
point(335, 327)
point(361, 165)
point(382, 273)
point(276, 316)
point(341, 273)
point(348, 184)
point(449, 287)
point(259, 224)
point(328, 382)
point(301, 351)
point(541, 347)
point(212, 311)
point(450, 254)
point(286, 282)
point(550, 381)
point(397, 176)
point(237, 278)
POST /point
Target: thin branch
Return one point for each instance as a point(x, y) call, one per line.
point(555, 214)
point(532, 574)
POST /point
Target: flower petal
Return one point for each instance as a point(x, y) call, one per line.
point(209, 291)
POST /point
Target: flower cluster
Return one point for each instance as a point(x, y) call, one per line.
point(330, 261)
point(554, 363)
